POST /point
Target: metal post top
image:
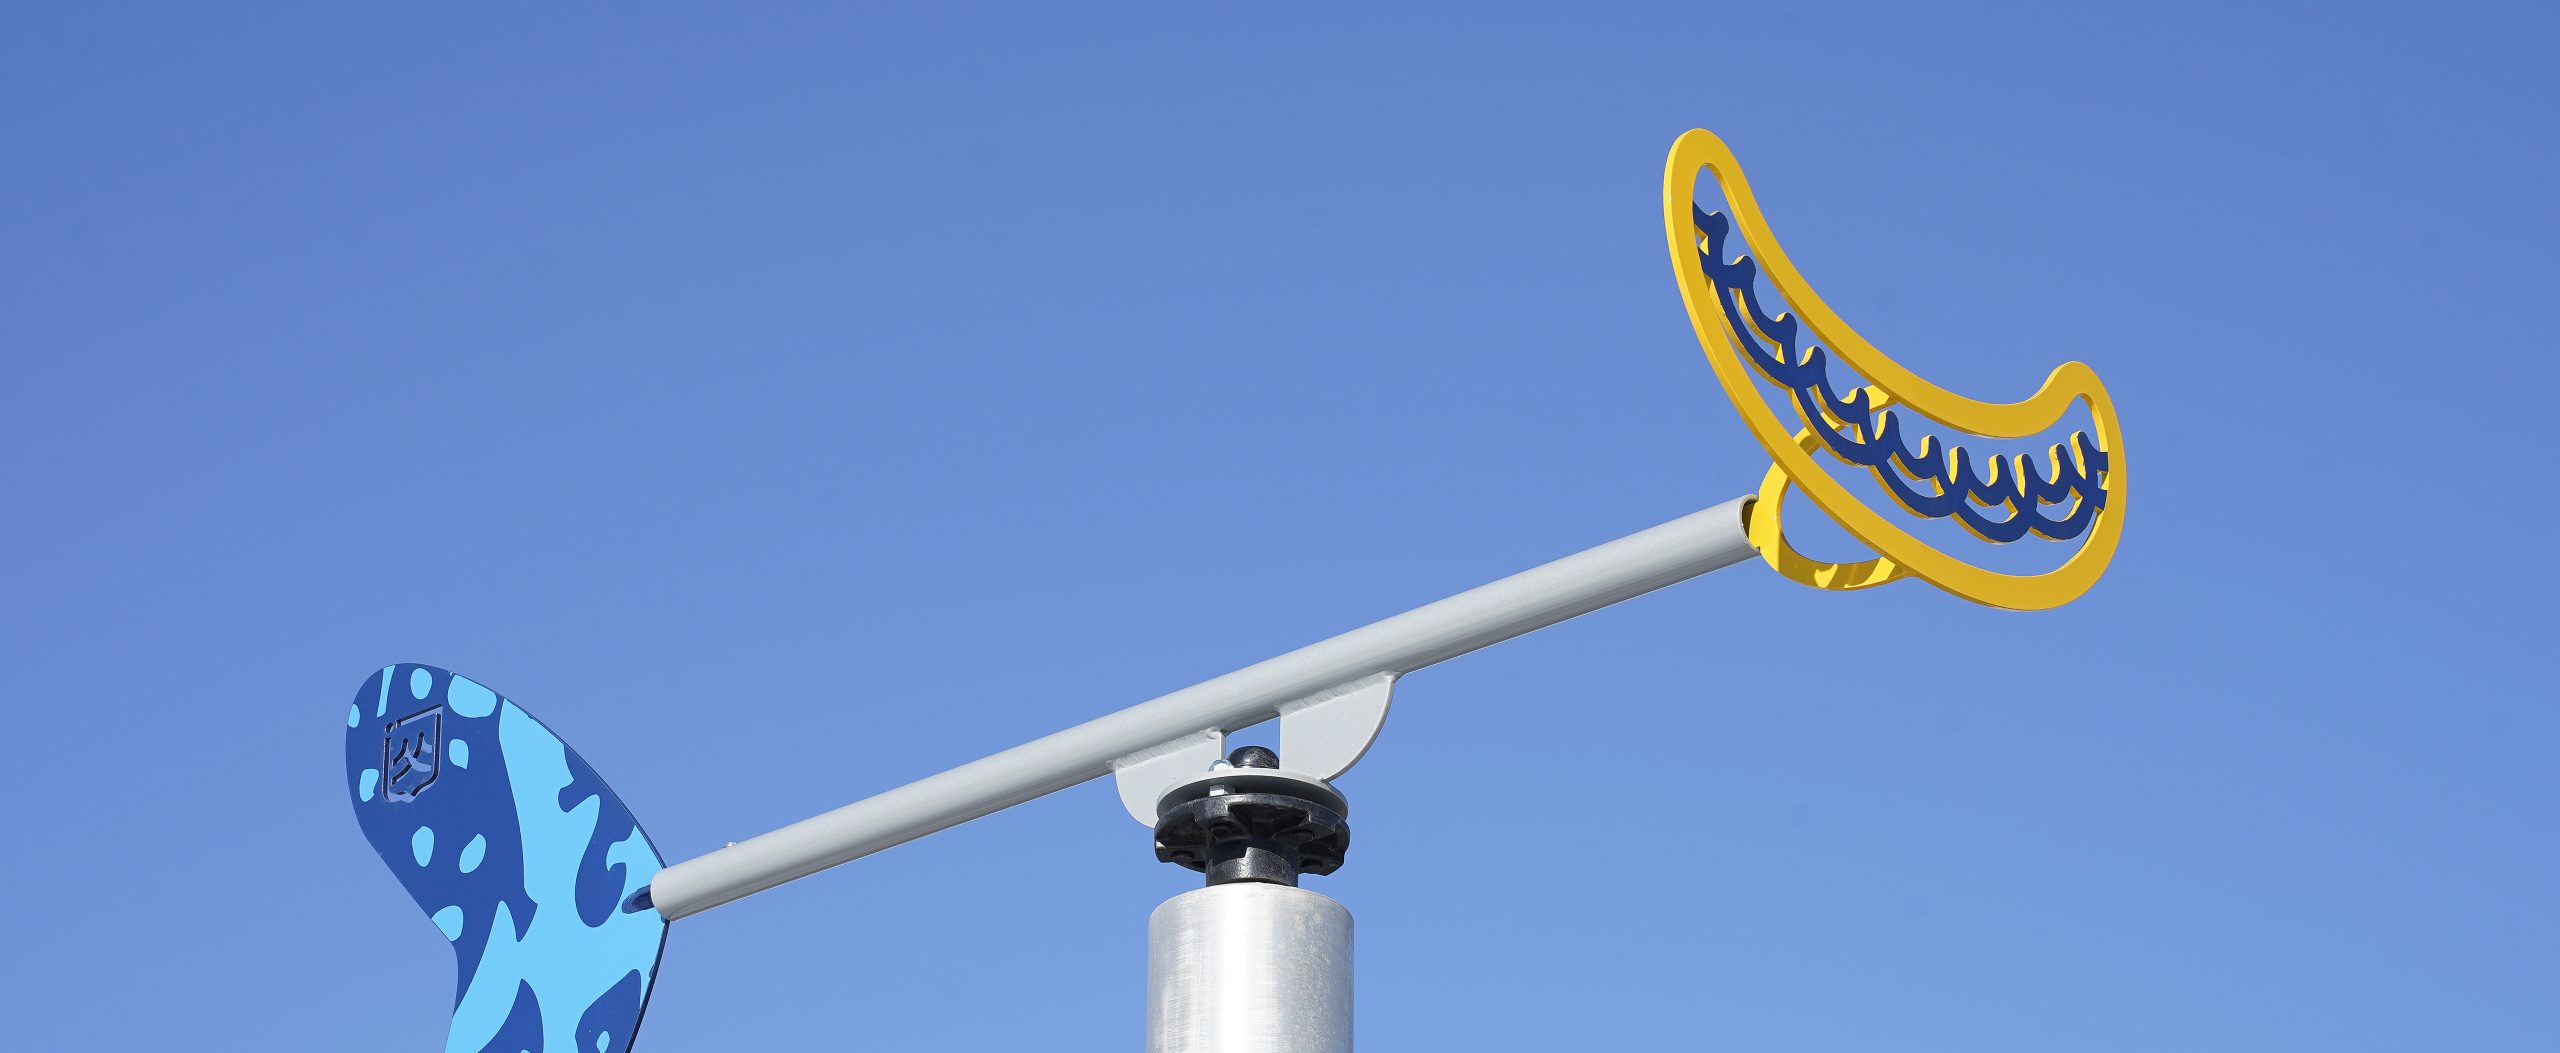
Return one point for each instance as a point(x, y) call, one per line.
point(1249, 967)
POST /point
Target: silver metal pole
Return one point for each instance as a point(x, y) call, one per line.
point(1532, 599)
point(1249, 967)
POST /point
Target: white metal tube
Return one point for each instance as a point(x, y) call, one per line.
point(1532, 599)
point(1249, 967)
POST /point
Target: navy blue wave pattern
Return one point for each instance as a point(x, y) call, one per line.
point(517, 852)
point(1874, 440)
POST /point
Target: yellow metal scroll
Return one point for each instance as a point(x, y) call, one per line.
point(2077, 492)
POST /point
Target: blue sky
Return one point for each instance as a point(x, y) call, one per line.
point(787, 403)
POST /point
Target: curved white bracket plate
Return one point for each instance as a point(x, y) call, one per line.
point(1324, 734)
point(1144, 776)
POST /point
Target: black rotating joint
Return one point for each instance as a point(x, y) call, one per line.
point(1253, 822)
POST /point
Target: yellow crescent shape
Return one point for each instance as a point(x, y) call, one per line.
point(1898, 553)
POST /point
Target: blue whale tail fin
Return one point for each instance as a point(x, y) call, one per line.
point(519, 854)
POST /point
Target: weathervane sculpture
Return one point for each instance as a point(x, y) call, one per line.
point(557, 904)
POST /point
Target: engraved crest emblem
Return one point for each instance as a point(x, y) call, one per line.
point(412, 751)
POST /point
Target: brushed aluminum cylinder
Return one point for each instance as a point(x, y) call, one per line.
point(1249, 967)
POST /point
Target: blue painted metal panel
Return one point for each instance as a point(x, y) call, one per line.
point(517, 853)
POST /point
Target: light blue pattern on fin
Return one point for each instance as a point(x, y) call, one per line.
point(472, 853)
point(470, 699)
point(449, 921)
point(560, 956)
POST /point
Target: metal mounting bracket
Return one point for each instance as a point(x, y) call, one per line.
point(1322, 735)
point(1144, 776)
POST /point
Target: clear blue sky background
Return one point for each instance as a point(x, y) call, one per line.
point(791, 401)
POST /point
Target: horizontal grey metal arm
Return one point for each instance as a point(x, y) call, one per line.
point(1532, 599)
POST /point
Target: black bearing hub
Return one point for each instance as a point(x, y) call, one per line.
point(1262, 825)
